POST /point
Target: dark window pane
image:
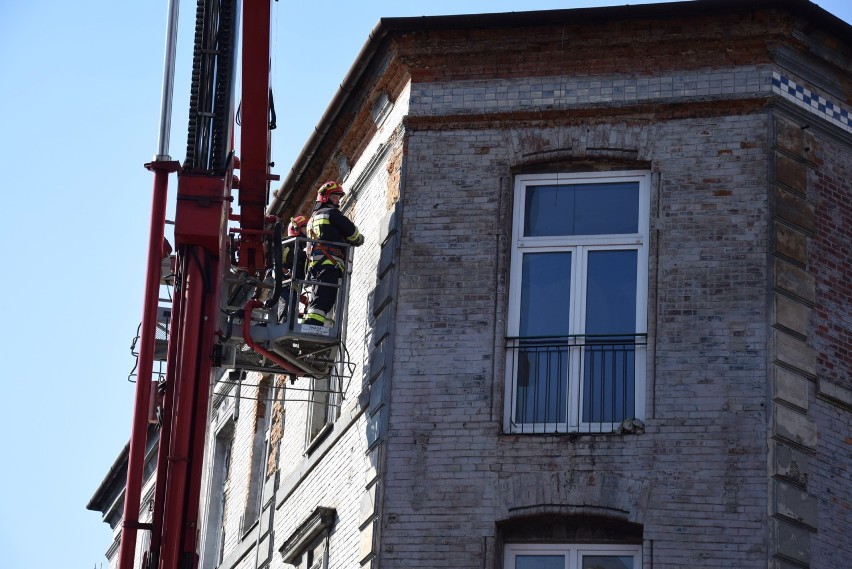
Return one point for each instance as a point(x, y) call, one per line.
point(545, 290)
point(607, 562)
point(581, 209)
point(540, 562)
point(542, 383)
point(609, 362)
point(611, 292)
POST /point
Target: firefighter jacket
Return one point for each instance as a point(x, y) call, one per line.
point(293, 260)
point(328, 224)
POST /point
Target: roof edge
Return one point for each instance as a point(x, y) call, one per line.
point(386, 26)
point(96, 502)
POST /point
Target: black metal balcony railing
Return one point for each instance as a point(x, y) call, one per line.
point(573, 384)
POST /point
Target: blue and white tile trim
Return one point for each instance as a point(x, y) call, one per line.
point(811, 102)
point(542, 93)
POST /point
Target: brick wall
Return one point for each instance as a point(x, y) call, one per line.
point(831, 474)
point(699, 468)
point(338, 470)
point(735, 355)
point(418, 466)
point(583, 46)
point(832, 259)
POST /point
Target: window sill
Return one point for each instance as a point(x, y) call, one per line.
point(320, 436)
point(632, 426)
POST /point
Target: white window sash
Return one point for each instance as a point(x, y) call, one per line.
point(579, 246)
point(573, 553)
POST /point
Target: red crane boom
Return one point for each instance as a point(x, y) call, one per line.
point(202, 247)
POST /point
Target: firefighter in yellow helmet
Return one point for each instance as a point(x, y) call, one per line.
point(325, 261)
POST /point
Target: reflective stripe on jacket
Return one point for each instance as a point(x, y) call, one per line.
point(328, 224)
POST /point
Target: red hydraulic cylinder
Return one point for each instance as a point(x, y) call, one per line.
point(139, 429)
point(254, 137)
point(198, 431)
point(165, 432)
point(200, 227)
point(190, 375)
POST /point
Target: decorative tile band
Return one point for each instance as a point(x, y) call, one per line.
point(500, 95)
point(811, 102)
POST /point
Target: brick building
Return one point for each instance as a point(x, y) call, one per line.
point(601, 318)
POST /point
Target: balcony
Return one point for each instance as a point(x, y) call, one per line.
point(574, 383)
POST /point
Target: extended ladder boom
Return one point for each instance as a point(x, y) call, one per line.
point(202, 250)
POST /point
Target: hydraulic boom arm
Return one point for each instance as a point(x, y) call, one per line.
point(205, 182)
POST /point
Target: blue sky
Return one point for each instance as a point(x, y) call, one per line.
point(81, 104)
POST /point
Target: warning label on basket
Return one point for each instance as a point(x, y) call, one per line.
point(317, 330)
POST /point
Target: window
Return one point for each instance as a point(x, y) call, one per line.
point(307, 547)
point(567, 556)
point(578, 294)
point(381, 109)
point(213, 549)
point(226, 487)
point(324, 407)
point(316, 556)
point(260, 449)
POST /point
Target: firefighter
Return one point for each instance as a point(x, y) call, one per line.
point(293, 262)
point(290, 258)
point(325, 261)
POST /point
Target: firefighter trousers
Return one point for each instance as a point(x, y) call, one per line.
point(324, 295)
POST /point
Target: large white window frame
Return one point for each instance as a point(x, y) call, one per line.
point(572, 555)
point(569, 418)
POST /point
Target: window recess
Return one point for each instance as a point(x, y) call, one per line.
point(572, 556)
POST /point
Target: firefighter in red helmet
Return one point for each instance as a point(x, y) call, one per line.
point(293, 263)
point(326, 262)
point(297, 225)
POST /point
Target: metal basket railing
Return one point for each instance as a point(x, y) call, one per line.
point(573, 383)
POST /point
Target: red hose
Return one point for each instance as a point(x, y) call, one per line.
point(271, 356)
